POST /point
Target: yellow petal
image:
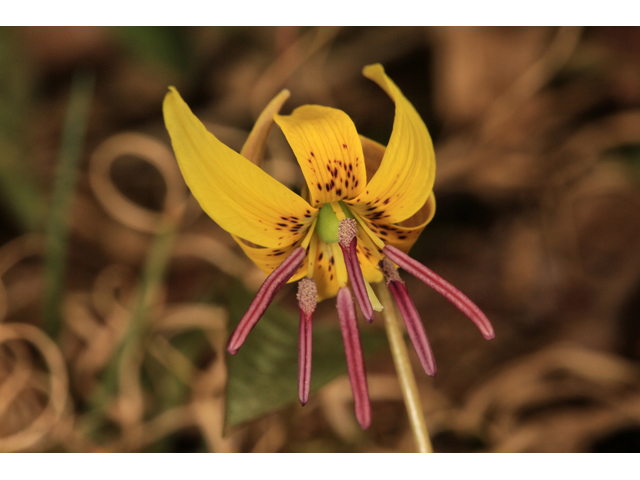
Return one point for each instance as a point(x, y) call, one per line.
point(328, 267)
point(329, 270)
point(405, 178)
point(370, 273)
point(267, 259)
point(253, 149)
point(368, 256)
point(327, 147)
point(404, 235)
point(373, 153)
point(234, 192)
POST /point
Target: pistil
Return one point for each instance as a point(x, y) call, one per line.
point(355, 360)
point(307, 301)
point(410, 315)
point(271, 286)
point(348, 241)
point(443, 287)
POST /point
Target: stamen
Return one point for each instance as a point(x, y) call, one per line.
point(355, 360)
point(307, 301)
point(443, 287)
point(272, 285)
point(348, 241)
point(410, 315)
point(390, 271)
point(347, 231)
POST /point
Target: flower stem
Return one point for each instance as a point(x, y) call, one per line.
point(405, 372)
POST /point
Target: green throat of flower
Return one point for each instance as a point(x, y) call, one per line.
point(328, 224)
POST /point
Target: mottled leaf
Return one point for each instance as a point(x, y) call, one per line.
point(263, 374)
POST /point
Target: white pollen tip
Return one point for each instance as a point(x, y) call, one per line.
point(307, 295)
point(347, 231)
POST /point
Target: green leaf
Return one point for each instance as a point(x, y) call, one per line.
point(263, 375)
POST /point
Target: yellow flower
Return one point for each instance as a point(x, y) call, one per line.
point(351, 217)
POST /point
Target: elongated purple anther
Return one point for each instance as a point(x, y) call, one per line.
point(348, 241)
point(307, 301)
point(444, 288)
point(410, 315)
point(272, 285)
point(355, 360)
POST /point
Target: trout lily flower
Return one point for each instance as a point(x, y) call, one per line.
point(363, 208)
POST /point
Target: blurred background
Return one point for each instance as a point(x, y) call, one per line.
point(117, 294)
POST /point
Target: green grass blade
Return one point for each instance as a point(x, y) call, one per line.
point(19, 192)
point(149, 288)
point(61, 202)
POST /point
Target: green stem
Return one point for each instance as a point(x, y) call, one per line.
point(405, 372)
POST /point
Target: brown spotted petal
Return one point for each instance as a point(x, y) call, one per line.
point(234, 192)
point(376, 214)
point(292, 229)
point(268, 259)
point(405, 234)
point(327, 147)
point(404, 180)
point(326, 265)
